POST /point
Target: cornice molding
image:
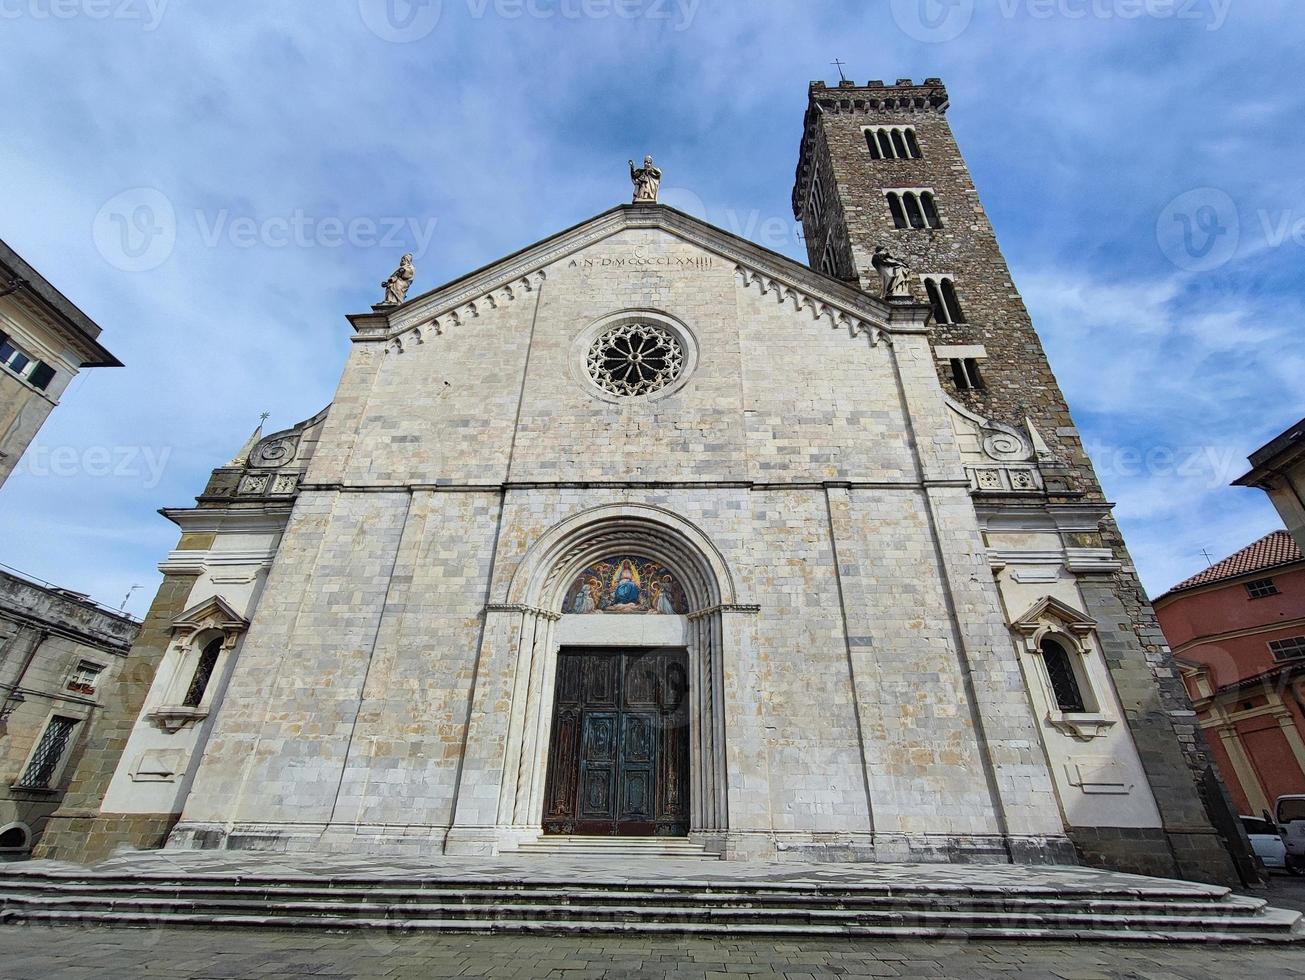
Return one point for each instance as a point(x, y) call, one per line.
point(525, 272)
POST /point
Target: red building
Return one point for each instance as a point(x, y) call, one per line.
point(1238, 635)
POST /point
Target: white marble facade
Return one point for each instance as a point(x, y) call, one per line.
point(861, 625)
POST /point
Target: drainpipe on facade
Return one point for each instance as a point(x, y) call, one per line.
point(14, 697)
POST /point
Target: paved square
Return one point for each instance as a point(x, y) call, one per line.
point(40, 953)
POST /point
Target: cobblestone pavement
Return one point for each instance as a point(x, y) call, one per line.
point(41, 953)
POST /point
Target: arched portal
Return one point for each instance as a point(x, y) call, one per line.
point(673, 624)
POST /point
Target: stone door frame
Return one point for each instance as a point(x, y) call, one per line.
point(536, 594)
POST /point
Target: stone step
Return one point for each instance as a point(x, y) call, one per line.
point(192, 891)
point(334, 910)
point(1152, 890)
point(1285, 931)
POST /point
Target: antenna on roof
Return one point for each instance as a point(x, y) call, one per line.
point(839, 65)
point(1205, 552)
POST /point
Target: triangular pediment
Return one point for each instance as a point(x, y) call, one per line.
point(1049, 608)
point(520, 274)
point(214, 612)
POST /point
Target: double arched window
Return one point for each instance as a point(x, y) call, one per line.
point(942, 297)
point(898, 143)
point(913, 209)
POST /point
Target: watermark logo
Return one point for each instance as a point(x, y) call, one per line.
point(1199, 231)
point(401, 21)
point(147, 13)
point(933, 21)
point(136, 230)
point(1211, 13)
point(143, 465)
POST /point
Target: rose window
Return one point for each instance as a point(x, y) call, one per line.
point(635, 359)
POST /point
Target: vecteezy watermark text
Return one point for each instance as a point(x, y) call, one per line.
point(147, 13)
point(145, 464)
point(137, 230)
point(939, 21)
point(404, 21)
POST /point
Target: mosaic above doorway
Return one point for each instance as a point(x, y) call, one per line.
point(628, 585)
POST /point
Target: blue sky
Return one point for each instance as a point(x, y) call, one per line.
point(298, 151)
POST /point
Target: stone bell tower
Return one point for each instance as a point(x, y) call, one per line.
point(880, 167)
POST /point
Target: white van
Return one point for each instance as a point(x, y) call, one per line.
point(1290, 814)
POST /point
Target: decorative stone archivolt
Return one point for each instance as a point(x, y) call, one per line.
point(1052, 619)
point(538, 593)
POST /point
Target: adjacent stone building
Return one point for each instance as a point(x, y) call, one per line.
point(646, 531)
point(44, 342)
point(59, 650)
point(59, 653)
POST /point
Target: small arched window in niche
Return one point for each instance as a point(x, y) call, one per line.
point(203, 674)
point(1064, 678)
point(913, 145)
point(899, 144)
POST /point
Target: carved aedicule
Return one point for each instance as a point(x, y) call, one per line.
point(202, 638)
point(1059, 638)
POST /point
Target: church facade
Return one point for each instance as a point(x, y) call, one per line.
point(647, 532)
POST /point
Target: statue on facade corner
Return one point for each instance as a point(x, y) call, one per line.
point(396, 287)
point(647, 181)
point(893, 273)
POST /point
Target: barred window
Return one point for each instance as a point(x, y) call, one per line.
point(1292, 648)
point(203, 674)
point(49, 752)
point(1064, 682)
point(1261, 588)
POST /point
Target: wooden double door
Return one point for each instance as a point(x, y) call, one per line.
point(619, 757)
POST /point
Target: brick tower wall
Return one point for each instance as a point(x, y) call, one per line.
point(1018, 386)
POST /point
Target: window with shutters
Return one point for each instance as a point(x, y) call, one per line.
point(18, 361)
point(49, 753)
